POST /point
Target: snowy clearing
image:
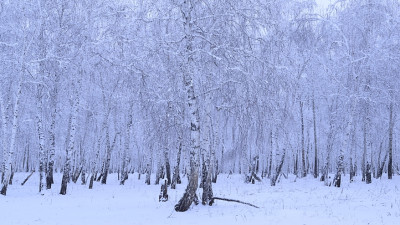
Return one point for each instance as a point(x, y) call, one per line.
point(305, 201)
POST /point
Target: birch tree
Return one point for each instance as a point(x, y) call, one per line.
point(192, 104)
point(14, 129)
point(73, 120)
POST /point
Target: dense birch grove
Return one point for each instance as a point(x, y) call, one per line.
point(188, 89)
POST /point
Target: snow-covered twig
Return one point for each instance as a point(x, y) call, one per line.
point(232, 200)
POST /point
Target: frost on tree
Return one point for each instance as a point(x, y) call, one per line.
point(256, 78)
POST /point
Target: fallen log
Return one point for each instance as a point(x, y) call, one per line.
point(26, 179)
point(231, 200)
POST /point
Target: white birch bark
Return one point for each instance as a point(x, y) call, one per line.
point(52, 133)
point(4, 140)
point(10, 156)
point(71, 145)
point(190, 193)
point(39, 124)
point(125, 157)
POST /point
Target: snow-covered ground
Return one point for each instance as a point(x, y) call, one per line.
point(305, 201)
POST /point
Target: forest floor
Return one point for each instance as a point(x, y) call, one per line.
point(301, 201)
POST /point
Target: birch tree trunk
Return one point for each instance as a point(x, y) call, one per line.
point(278, 160)
point(325, 175)
point(71, 146)
point(167, 167)
point(52, 133)
point(352, 140)
point(160, 168)
point(125, 158)
point(391, 125)
point(303, 156)
point(10, 156)
point(4, 140)
point(39, 124)
point(340, 167)
point(315, 141)
point(166, 150)
point(364, 158)
point(271, 155)
point(94, 163)
point(176, 176)
point(106, 128)
point(348, 145)
point(192, 101)
point(213, 161)
point(207, 186)
point(109, 148)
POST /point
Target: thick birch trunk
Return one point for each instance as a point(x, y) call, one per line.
point(192, 101)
